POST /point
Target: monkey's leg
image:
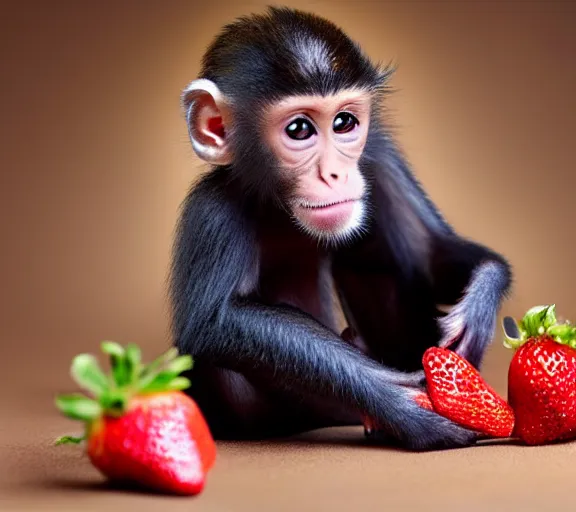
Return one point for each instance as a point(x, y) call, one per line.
point(237, 407)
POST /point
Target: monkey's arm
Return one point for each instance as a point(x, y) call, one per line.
point(213, 253)
point(465, 274)
point(475, 280)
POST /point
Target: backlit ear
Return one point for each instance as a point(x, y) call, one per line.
point(205, 114)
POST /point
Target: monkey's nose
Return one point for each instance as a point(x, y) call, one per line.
point(333, 175)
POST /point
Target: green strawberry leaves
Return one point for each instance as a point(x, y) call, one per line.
point(163, 373)
point(538, 321)
point(124, 361)
point(111, 394)
point(79, 407)
point(117, 356)
point(87, 373)
point(564, 333)
point(166, 381)
point(133, 359)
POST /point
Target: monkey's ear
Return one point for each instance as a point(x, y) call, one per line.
point(206, 110)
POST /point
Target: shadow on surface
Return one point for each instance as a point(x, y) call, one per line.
point(86, 485)
point(344, 437)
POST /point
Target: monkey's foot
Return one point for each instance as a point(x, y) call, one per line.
point(374, 433)
point(434, 433)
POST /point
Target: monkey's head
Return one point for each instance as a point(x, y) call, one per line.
point(287, 103)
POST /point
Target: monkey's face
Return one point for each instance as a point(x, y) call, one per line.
point(317, 142)
point(306, 148)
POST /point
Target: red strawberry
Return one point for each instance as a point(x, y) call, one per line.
point(542, 376)
point(423, 400)
point(140, 428)
point(458, 392)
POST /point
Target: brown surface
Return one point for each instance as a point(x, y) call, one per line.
point(94, 161)
point(327, 470)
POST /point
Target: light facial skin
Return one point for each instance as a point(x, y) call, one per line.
point(320, 140)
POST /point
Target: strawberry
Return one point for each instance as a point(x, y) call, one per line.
point(542, 376)
point(140, 428)
point(422, 399)
point(458, 392)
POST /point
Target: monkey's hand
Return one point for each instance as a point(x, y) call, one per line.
point(468, 329)
point(418, 429)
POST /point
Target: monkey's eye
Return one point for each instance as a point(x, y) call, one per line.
point(300, 129)
point(344, 122)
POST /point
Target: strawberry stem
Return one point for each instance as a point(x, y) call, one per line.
point(539, 321)
point(111, 394)
point(69, 440)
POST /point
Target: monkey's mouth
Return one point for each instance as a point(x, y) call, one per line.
point(320, 206)
point(327, 216)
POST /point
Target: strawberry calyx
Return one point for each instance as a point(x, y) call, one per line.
point(539, 322)
point(110, 395)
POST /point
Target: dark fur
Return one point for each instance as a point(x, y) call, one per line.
point(251, 294)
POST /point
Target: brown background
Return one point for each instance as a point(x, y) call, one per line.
point(95, 160)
